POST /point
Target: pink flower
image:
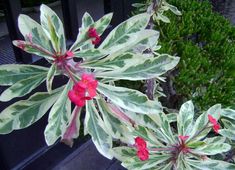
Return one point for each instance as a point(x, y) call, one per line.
point(140, 143)
point(183, 138)
point(21, 44)
point(214, 122)
point(143, 154)
point(83, 90)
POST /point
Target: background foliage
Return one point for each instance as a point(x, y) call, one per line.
point(205, 42)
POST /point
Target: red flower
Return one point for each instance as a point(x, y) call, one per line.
point(143, 154)
point(92, 33)
point(183, 138)
point(216, 128)
point(214, 122)
point(96, 40)
point(140, 143)
point(212, 119)
point(83, 90)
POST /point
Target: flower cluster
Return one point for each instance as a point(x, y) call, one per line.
point(214, 122)
point(142, 150)
point(83, 90)
point(92, 33)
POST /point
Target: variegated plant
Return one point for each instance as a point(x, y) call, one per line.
point(157, 9)
point(121, 56)
point(184, 148)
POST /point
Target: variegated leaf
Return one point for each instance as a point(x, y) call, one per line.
point(95, 127)
point(33, 49)
point(87, 20)
point(146, 68)
point(54, 29)
point(210, 164)
point(202, 121)
point(22, 87)
point(228, 133)
point(26, 112)
point(58, 117)
point(12, 73)
point(33, 32)
point(100, 26)
point(229, 113)
point(212, 149)
point(90, 54)
point(129, 99)
point(114, 125)
point(50, 77)
point(185, 119)
point(121, 33)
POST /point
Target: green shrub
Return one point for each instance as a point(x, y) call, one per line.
point(205, 42)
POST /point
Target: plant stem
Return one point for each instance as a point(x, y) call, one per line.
point(70, 74)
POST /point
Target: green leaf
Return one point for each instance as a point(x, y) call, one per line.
point(173, 9)
point(172, 117)
point(100, 26)
point(29, 27)
point(95, 127)
point(210, 164)
point(195, 144)
point(228, 133)
point(26, 112)
point(142, 68)
point(163, 18)
point(12, 73)
point(50, 77)
point(185, 119)
point(59, 117)
point(129, 99)
point(22, 87)
point(54, 29)
point(121, 33)
point(123, 153)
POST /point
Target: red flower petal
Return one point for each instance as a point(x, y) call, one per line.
point(212, 119)
point(96, 41)
point(92, 33)
point(216, 128)
point(140, 143)
point(76, 98)
point(143, 154)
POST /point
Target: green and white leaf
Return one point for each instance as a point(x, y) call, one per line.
point(114, 126)
point(143, 68)
point(185, 119)
point(50, 77)
point(210, 164)
point(95, 127)
point(228, 133)
point(129, 99)
point(100, 26)
point(12, 73)
point(53, 28)
point(120, 34)
point(59, 117)
point(26, 112)
point(29, 27)
point(87, 20)
point(91, 54)
point(22, 87)
point(212, 149)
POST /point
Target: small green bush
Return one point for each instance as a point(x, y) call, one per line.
point(205, 41)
